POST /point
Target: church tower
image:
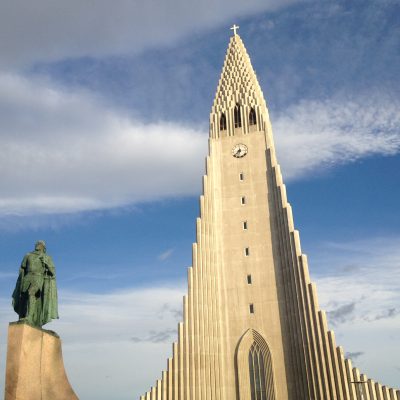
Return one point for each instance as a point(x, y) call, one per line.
point(252, 328)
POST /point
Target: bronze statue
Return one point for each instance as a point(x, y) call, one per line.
point(35, 294)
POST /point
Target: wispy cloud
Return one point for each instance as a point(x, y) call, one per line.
point(354, 355)
point(165, 255)
point(341, 314)
point(367, 293)
point(176, 312)
point(362, 303)
point(390, 313)
point(142, 311)
point(167, 335)
point(315, 135)
point(49, 31)
point(7, 275)
point(17, 223)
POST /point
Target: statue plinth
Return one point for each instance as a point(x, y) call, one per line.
point(35, 367)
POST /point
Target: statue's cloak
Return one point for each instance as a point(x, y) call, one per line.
point(50, 300)
point(17, 294)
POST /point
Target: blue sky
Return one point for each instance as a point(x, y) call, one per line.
point(104, 118)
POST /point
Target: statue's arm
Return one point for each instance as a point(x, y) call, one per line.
point(24, 265)
point(51, 269)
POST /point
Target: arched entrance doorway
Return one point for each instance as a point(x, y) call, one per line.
point(255, 379)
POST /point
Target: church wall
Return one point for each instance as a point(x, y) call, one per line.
point(260, 264)
point(304, 359)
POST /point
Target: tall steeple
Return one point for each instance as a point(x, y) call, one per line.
point(238, 85)
point(252, 328)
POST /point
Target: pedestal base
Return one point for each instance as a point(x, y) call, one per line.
point(35, 367)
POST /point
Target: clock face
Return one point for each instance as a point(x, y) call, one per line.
point(239, 150)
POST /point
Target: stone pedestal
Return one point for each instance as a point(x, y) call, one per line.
point(35, 367)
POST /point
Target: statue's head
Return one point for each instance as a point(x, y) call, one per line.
point(40, 245)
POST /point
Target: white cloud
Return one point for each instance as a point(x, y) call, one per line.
point(360, 290)
point(6, 275)
point(12, 223)
point(46, 30)
point(165, 255)
point(320, 134)
point(65, 152)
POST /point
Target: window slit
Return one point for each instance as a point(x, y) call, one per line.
point(252, 117)
point(222, 122)
point(237, 116)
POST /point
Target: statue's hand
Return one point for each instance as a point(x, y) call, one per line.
point(48, 270)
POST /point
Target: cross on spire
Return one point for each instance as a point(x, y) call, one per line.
point(234, 29)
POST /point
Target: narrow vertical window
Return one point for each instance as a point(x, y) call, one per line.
point(251, 308)
point(241, 176)
point(237, 116)
point(222, 122)
point(249, 281)
point(245, 225)
point(243, 200)
point(246, 251)
point(252, 117)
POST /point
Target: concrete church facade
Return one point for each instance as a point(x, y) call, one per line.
point(252, 328)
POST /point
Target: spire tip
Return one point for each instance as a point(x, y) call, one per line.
point(234, 28)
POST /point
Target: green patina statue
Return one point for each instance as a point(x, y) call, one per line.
point(35, 294)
